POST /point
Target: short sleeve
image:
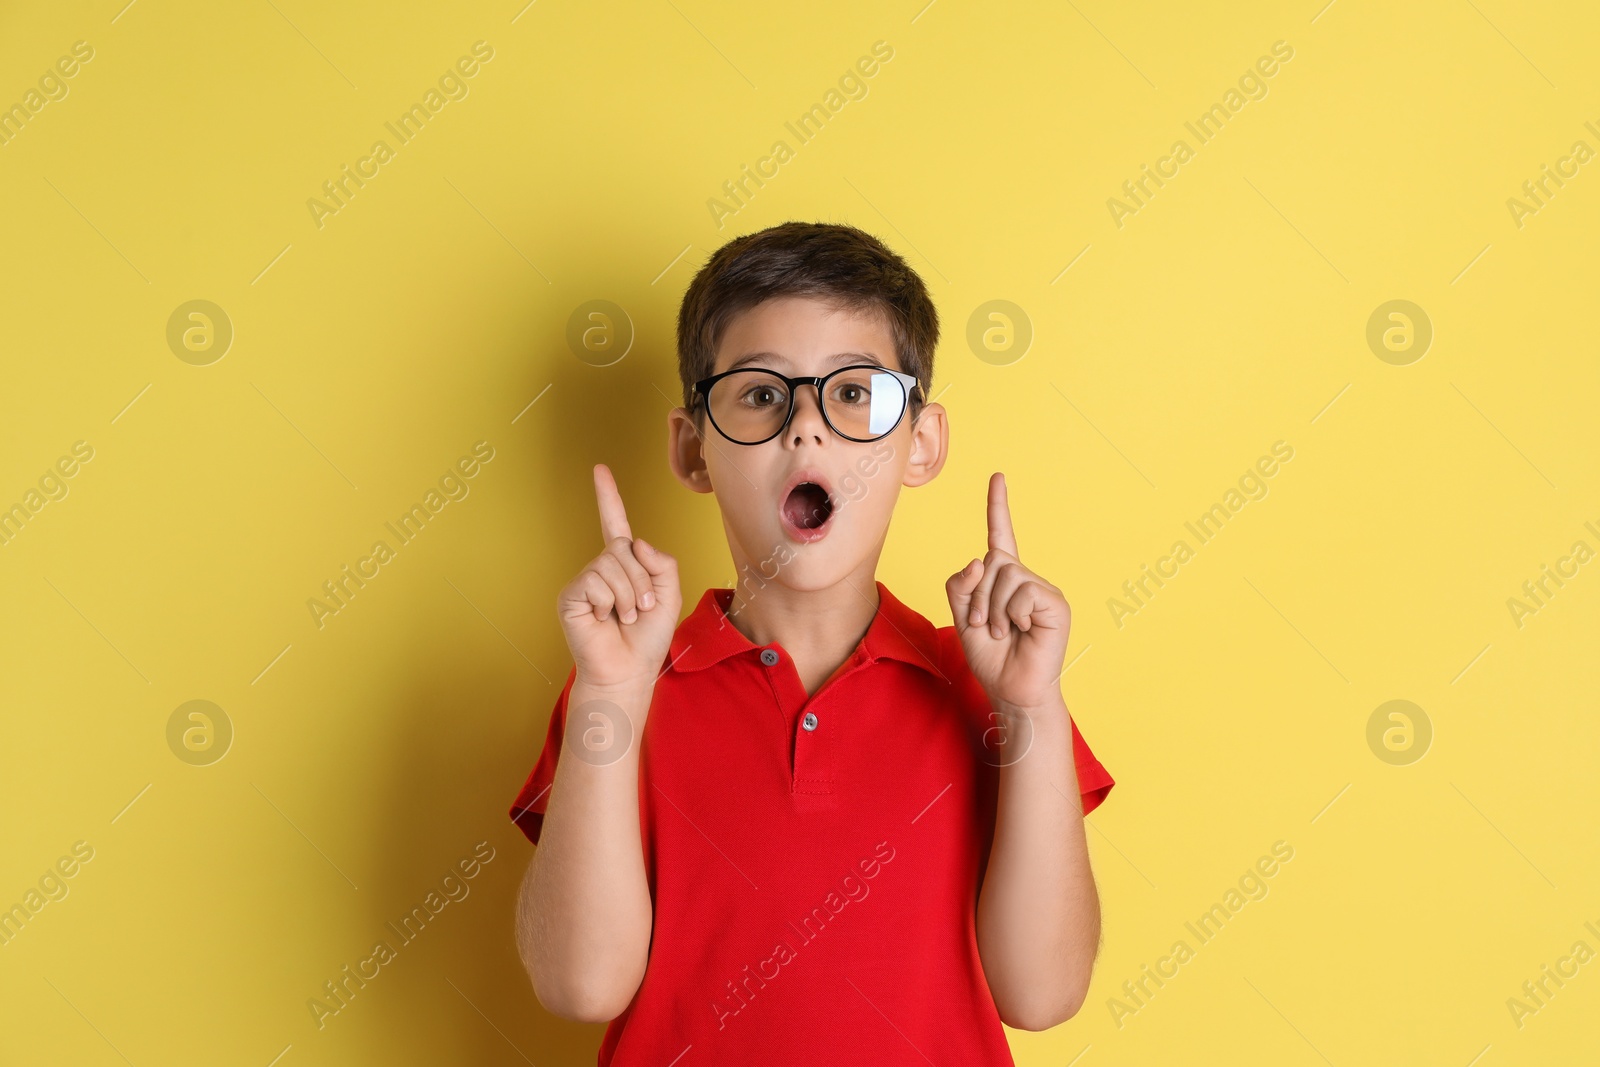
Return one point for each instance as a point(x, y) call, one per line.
point(527, 811)
point(1094, 782)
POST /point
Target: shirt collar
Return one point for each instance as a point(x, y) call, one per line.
point(707, 636)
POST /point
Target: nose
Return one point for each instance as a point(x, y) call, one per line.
point(807, 420)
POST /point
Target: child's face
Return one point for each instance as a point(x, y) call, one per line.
point(773, 532)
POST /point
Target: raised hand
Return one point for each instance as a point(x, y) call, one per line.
point(1013, 624)
point(620, 612)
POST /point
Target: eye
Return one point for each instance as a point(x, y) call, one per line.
point(854, 389)
point(761, 395)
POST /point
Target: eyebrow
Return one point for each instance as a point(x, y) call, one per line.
point(837, 359)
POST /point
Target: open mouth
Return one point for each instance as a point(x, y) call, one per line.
point(806, 510)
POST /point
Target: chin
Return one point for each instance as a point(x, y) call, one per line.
point(801, 568)
point(818, 576)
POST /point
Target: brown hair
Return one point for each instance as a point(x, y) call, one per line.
point(848, 268)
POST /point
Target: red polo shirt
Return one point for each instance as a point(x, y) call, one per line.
point(815, 889)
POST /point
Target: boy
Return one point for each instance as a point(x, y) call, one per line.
point(804, 825)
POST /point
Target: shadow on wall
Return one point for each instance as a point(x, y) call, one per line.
point(450, 792)
point(471, 711)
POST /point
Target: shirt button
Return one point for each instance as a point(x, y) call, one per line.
point(810, 721)
point(769, 656)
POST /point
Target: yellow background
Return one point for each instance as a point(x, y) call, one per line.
point(1229, 313)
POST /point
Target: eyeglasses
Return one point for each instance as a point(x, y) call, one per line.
point(750, 405)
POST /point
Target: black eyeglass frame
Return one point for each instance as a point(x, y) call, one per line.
point(908, 382)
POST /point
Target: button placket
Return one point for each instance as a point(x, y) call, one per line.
point(811, 766)
point(813, 761)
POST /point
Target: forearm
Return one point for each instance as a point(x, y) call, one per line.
point(584, 913)
point(1038, 922)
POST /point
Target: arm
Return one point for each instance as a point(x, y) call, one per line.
point(1038, 919)
point(584, 912)
point(1038, 922)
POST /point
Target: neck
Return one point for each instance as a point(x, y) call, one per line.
point(819, 628)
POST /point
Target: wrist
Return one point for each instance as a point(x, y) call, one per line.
point(634, 694)
point(605, 723)
point(1045, 707)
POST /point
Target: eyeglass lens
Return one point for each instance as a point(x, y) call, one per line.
point(861, 403)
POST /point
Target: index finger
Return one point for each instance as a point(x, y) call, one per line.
point(1000, 533)
point(613, 517)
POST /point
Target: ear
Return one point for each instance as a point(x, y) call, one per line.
point(684, 452)
point(930, 445)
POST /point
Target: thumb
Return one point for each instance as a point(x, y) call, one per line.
point(960, 588)
point(662, 568)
